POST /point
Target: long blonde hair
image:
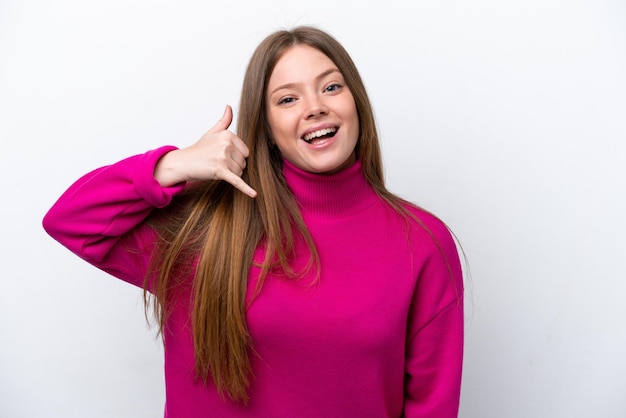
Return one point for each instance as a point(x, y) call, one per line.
point(219, 228)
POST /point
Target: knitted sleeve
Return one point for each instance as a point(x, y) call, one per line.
point(434, 352)
point(98, 218)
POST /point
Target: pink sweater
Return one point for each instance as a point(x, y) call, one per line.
point(380, 334)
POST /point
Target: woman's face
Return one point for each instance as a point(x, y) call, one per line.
point(311, 112)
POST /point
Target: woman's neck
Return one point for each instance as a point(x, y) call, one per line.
point(327, 196)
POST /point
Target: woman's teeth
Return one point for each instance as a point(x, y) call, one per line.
point(310, 137)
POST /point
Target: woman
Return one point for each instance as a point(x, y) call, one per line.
point(287, 280)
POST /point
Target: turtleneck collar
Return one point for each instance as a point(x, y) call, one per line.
point(330, 195)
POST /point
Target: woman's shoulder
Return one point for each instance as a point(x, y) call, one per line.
point(423, 214)
point(426, 222)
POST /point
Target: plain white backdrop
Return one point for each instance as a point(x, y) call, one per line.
point(507, 119)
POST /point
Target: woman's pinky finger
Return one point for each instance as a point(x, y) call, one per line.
point(239, 184)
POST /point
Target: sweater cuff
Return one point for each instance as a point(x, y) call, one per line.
point(147, 186)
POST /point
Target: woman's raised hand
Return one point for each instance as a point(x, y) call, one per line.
point(218, 155)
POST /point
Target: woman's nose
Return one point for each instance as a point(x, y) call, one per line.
point(316, 107)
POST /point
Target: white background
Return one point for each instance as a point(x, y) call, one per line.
point(507, 119)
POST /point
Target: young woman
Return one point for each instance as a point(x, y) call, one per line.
point(286, 279)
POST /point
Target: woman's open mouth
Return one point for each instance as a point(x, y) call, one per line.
point(320, 136)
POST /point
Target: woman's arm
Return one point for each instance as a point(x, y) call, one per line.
point(102, 208)
point(434, 353)
point(97, 218)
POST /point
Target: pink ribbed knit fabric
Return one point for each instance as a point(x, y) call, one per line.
point(380, 334)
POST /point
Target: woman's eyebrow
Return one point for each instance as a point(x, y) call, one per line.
point(319, 77)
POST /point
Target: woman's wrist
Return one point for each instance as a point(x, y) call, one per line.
point(166, 170)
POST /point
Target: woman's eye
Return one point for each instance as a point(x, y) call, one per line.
point(286, 100)
point(333, 87)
